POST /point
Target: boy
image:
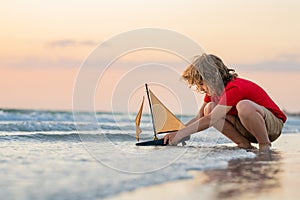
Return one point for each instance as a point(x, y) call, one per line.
point(238, 108)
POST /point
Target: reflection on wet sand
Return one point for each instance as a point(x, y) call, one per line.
point(247, 177)
point(273, 176)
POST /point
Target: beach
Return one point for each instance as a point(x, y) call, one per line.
point(274, 176)
point(46, 155)
point(86, 84)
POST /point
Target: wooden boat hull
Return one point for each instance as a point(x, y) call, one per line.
point(159, 142)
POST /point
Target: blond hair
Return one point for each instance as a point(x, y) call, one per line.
point(212, 70)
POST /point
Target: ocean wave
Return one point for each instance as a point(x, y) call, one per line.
point(29, 126)
point(12, 120)
point(69, 137)
point(46, 126)
point(34, 115)
point(66, 116)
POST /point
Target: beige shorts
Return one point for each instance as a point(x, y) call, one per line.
point(273, 124)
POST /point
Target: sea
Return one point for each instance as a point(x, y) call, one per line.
point(92, 155)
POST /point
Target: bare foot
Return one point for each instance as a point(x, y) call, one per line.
point(266, 148)
point(245, 146)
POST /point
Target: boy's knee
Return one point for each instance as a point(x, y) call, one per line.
point(246, 108)
point(243, 105)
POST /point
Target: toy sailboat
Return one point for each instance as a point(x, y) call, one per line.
point(163, 120)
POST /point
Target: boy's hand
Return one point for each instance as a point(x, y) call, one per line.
point(169, 138)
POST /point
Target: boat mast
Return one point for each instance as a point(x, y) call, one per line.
point(150, 105)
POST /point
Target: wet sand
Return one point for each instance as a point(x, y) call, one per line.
point(268, 176)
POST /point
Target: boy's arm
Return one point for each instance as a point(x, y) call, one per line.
point(203, 123)
point(198, 116)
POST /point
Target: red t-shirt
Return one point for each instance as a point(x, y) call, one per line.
point(239, 89)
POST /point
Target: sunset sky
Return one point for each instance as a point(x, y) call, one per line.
point(44, 43)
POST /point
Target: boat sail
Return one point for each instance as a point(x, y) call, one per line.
point(163, 119)
point(138, 130)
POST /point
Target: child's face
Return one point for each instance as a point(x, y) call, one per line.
point(202, 87)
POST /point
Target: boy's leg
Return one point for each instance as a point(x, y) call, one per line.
point(251, 116)
point(226, 127)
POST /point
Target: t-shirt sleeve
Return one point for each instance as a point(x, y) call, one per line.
point(207, 98)
point(231, 97)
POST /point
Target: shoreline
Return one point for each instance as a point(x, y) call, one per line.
point(273, 176)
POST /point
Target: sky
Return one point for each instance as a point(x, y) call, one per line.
point(45, 43)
